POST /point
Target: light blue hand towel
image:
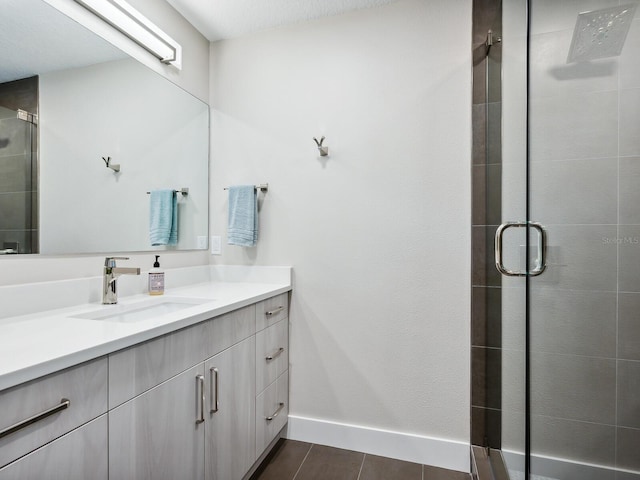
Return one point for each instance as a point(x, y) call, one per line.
point(243, 216)
point(163, 220)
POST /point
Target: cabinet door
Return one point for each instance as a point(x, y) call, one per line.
point(159, 434)
point(78, 455)
point(230, 427)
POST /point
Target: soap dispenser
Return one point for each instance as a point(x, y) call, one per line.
point(156, 279)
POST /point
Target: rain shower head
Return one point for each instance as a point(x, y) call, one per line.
point(601, 33)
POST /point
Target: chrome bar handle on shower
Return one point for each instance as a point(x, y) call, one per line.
point(541, 262)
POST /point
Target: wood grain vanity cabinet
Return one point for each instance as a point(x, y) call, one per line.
point(159, 434)
point(230, 425)
point(79, 455)
point(272, 369)
point(200, 403)
point(73, 396)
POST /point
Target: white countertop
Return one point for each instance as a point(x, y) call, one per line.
point(43, 342)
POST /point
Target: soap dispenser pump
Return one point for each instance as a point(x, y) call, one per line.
point(156, 279)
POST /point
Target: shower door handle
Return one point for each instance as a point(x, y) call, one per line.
point(542, 249)
point(541, 263)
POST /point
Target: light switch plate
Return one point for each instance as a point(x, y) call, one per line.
point(202, 242)
point(216, 245)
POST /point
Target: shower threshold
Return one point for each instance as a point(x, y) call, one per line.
point(488, 464)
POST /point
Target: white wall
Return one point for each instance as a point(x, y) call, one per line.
point(378, 233)
point(194, 77)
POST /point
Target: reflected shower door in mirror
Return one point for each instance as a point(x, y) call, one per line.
point(93, 101)
point(18, 167)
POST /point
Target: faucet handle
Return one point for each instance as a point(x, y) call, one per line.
point(111, 261)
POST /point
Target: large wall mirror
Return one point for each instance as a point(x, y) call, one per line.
point(68, 98)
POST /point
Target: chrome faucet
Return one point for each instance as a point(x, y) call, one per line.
point(111, 273)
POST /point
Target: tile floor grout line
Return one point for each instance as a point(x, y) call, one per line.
point(364, 455)
point(300, 467)
point(422, 469)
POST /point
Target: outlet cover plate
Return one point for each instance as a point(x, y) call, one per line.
point(202, 242)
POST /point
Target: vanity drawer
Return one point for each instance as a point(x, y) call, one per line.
point(272, 411)
point(84, 386)
point(78, 455)
point(272, 353)
point(137, 369)
point(272, 310)
point(226, 330)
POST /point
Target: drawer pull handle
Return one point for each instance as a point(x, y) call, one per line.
point(64, 403)
point(276, 413)
point(215, 404)
point(271, 313)
point(200, 397)
point(275, 354)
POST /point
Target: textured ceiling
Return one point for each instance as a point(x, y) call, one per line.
point(218, 19)
point(35, 38)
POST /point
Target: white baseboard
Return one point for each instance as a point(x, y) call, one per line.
point(403, 446)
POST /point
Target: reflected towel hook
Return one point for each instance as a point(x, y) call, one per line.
point(113, 166)
point(324, 151)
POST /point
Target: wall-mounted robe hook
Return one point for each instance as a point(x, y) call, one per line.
point(324, 151)
point(113, 166)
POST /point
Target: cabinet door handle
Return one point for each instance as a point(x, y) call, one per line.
point(200, 397)
point(213, 372)
point(275, 354)
point(271, 313)
point(64, 403)
point(276, 413)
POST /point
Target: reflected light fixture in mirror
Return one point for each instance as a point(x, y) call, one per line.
point(126, 19)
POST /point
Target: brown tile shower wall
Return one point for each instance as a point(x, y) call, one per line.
point(18, 167)
point(486, 321)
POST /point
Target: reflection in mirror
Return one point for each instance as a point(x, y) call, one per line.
point(84, 100)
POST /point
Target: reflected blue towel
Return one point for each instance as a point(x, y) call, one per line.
point(163, 219)
point(243, 216)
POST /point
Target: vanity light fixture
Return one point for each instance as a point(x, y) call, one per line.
point(130, 22)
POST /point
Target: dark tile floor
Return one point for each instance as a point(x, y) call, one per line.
point(292, 460)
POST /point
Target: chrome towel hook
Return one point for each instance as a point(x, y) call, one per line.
point(324, 151)
point(112, 166)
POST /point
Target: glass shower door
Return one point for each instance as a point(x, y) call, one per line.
point(513, 210)
point(583, 312)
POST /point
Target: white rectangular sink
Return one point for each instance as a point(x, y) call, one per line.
point(142, 310)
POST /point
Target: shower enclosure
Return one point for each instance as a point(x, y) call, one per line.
point(557, 346)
